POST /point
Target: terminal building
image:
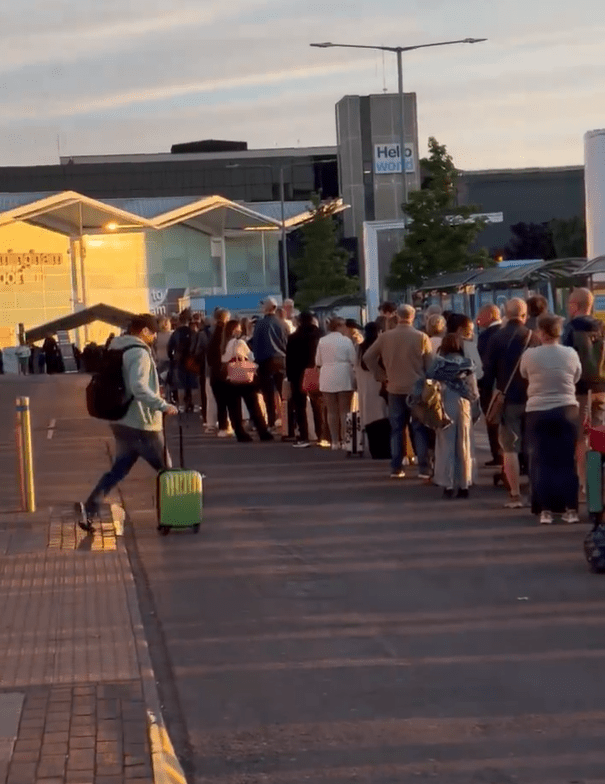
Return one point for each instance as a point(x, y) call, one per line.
point(203, 222)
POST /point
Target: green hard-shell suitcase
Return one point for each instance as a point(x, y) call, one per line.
point(179, 496)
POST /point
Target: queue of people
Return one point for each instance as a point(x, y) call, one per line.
point(418, 392)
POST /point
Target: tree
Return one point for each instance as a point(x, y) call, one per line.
point(569, 237)
point(439, 232)
point(530, 241)
point(321, 266)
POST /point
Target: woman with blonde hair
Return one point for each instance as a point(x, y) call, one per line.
point(335, 359)
point(436, 329)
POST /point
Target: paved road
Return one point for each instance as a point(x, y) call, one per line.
point(329, 625)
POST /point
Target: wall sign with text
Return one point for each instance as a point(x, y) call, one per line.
point(18, 269)
point(387, 159)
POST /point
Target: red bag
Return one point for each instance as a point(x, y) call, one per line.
point(310, 381)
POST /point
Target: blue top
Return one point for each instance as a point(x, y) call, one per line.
point(270, 338)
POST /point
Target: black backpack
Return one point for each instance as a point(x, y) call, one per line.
point(106, 396)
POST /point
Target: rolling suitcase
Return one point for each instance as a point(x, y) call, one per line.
point(179, 495)
point(354, 441)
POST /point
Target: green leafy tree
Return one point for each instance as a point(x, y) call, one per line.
point(569, 237)
point(439, 233)
point(321, 266)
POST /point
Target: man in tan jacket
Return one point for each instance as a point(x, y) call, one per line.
point(403, 354)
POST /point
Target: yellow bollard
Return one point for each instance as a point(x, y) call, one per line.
point(27, 457)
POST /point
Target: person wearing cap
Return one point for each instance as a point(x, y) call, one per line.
point(139, 432)
point(269, 344)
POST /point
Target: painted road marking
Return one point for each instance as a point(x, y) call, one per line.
point(166, 767)
point(51, 429)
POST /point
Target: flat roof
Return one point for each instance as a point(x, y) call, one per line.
point(530, 170)
point(166, 157)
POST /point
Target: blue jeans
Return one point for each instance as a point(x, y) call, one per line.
point(399, 417)
point(131, 444)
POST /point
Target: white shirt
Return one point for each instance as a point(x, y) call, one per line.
point(336, 361)
point(552, 372)
point(237, 348)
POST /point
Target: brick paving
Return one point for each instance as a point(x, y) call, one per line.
point(82, 735)
point(71, 640)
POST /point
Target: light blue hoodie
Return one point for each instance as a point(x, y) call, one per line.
point(141, 381)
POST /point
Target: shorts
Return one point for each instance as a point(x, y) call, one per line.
point(511, 428)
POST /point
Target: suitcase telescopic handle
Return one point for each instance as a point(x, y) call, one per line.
point(181, 441)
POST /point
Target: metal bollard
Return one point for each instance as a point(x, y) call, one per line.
point(25, 454)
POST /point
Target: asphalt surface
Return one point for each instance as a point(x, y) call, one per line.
point(331, 625)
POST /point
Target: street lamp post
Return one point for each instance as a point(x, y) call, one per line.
point(399, 50)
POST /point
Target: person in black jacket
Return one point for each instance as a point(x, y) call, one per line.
point(489, 322)
point(300, 355)
point(181, 357)
point(501, 369)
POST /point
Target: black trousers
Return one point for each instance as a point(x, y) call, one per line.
point(271, 374)
point(220, 390)
point(299, 404)
point(249, 394)
point(551, 441)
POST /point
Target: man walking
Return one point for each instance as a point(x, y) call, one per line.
point(489, 322)
point(139, 432)
point(501, 368)
point(587, 336)
point(269, 344)
point(405, 354)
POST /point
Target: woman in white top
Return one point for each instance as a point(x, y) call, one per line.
point(236, 349)
point(336, 362)
point(552, 372)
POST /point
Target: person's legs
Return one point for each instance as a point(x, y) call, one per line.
point(267, 388)
point(421, 436)
point(234, 406)
point(152, 450)
point(127, 454)
point(333, 416)
point(399, 416)
point(299, 402)
point(317, 409)
point(511, 440)
point(345, 405)
point(250, 395)
point(218, 390)
point(203, 395)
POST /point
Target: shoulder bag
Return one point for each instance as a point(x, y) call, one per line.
point(493, 415)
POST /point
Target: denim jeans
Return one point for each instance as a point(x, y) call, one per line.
point(399, 417)
point(131, 444)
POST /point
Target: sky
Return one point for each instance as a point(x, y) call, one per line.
point(92, 77)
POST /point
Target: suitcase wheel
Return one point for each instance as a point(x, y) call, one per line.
point(164, 530)
point(196, 528)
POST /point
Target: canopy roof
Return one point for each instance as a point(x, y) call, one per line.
point(510, 275)
point(593, 267)
point(73, 214)
point(106, 313)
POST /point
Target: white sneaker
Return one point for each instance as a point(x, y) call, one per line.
point(225, 433)
point(334, 447)
point(546, 518)
point(324, 444)
point(571, 517)
point(301, 444)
